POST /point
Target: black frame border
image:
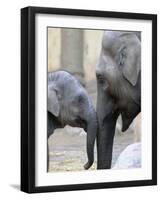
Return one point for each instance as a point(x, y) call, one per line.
point(28, 98)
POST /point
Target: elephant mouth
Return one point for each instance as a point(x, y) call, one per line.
point(81, 123)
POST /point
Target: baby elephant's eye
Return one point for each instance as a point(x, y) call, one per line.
point(122, 56)
point(81, 98)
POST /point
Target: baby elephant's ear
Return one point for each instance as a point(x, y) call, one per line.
point(132, 65)
point(53, 103)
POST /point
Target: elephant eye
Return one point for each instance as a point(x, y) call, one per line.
point(122, 56)
point(100, 78)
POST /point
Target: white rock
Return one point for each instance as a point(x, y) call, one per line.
point(74, 131)
point(130, 157)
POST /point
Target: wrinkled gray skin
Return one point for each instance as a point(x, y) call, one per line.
point(68, 103)
point(119, 88)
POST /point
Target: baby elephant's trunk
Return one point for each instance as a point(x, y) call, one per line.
point(91, 136)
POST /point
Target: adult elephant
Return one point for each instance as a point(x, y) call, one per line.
point(119, 88)
point(69, 103)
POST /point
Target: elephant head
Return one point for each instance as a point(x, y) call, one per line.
point(69, 103)
point(119, 88)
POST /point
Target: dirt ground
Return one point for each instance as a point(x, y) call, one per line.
point(67, 149)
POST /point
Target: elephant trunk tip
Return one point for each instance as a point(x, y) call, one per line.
point(88, 165)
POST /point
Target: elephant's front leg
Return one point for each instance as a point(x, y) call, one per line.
point(52, 125)
point(47, 156)
point(105, 141)
point(48, 152)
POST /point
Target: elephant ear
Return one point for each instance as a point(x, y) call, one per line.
point(132, 63)
point(53, 103)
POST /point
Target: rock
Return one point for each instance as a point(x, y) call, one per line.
point(74, 131)
point(130, 157)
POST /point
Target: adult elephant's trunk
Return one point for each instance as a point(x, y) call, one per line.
point(92, 128)
point(107, 117)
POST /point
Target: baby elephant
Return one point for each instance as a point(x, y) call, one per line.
point(68, 103)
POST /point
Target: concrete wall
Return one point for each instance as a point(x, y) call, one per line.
point(54, 46)
point(91, 50)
